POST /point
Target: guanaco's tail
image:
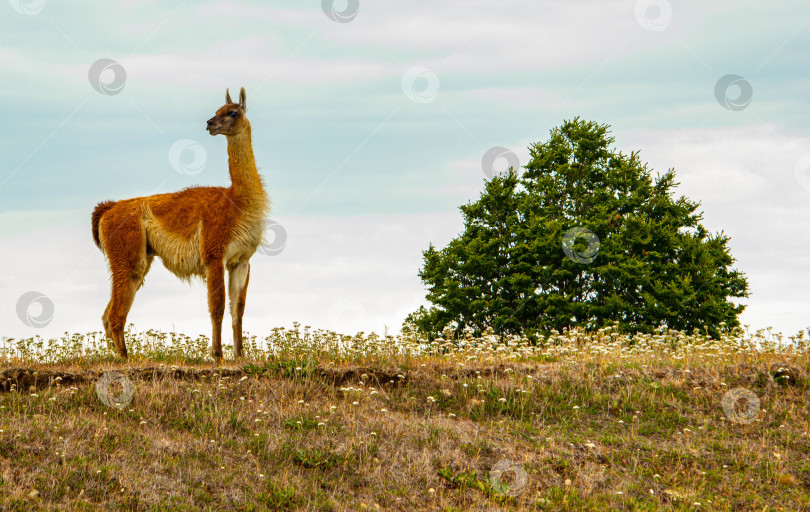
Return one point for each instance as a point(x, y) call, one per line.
point(100, 210)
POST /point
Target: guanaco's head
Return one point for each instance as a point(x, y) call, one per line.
point(230, 118)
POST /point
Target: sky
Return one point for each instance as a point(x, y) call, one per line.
point(370, 123)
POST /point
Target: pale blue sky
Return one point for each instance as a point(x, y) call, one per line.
point(361, 176)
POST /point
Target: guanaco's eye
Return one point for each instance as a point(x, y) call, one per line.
point(233, 113)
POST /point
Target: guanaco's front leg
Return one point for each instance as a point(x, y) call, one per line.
point(238, 277)
point(216, 304)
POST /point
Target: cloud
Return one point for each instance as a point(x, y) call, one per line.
point(326, 97)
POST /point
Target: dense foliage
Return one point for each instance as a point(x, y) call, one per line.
point(584, 236)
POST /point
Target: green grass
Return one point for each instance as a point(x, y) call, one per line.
point(318, 421)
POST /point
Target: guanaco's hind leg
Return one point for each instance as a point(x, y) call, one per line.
point(105, 319)
point(125, 285)
point(125, 247)
point(215, 279)
point(238, 277)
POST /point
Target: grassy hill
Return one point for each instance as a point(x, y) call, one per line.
point(316, 421)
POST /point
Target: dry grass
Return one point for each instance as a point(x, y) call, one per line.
point(313, 421)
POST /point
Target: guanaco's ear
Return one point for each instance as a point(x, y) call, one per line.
point(242, 99)
point(228, 99)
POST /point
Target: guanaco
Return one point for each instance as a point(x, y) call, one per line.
point(196, 232)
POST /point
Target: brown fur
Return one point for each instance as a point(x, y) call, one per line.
point(199, 231)
point(97, 213)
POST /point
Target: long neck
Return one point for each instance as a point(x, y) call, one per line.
point(246, 183)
